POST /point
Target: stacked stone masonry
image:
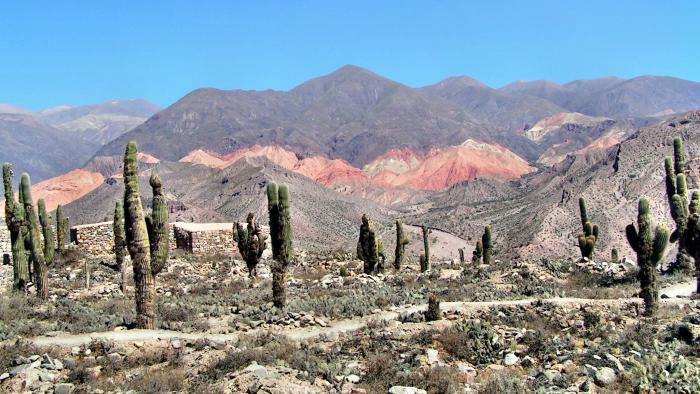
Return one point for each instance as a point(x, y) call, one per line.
point(197, 238)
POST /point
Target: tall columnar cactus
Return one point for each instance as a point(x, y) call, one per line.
point(157, 225)
point(478, 252)
point(426, 244)
point(589, 236)
point(650, 249)
point(677, 194)
point(14, 219)
point(401, 242)
point(137, 241)
point(251, 243)
point(120, 244)
point(486, 244)
point(61, 229)
point(47, 231)
point(281, 240)
point(369, 248)
point(461, 255)
point(614, 256)
point(691, 236)
point(36, 249)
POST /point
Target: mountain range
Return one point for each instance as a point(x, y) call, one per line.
point(455, 155)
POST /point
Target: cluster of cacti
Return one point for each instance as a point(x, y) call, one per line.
point(251, 243)
point(401, 242)
point(677, 194)
point(15, 221)
point(589, 236)
point(120, 244)
point(486, 245)
point(478, 252)
point(36, 247)
point(426, 248)
point(281, 240)
point(61, 229)
point(691, 235)
point(369, 247)
point(649, 248)
point(146, 240)
point(433, 313)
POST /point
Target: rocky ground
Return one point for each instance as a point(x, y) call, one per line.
point(540, 326)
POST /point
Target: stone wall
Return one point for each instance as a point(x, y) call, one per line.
point(205, 238)
point(97, 239)
point(5, 246)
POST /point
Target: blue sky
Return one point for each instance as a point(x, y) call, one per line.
point(80, 52)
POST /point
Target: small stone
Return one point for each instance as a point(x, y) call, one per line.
point(511, 359)
point(605, 376)
point(254, 387)
point(175, 343)
point(406, 390)
point(63, 388)
point(432, 356)
point(353, 378)
point(75, 351)
point(4, 376)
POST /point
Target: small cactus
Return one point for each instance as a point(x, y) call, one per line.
point(369, 248)
point(47, 231)
point(281, 240)
point(120, 244)
point(614, 256)
point(424, 266)
point(487, 245)
point(426, 244)
point(251, 243)
point(650, 249)
point(36, 246)
point(401, 242)
point(589, 236)
point(478, 252)
point(433, 313)
point(15, 219)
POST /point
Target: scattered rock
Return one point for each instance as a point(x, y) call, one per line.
point(406, 390)
point(63, 388)
point(511, 359)
point(605, 376)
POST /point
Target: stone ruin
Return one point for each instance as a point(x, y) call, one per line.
point(97, 239)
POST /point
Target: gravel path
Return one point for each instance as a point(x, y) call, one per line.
point(678, 294)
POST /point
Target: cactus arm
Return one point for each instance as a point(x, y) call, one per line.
point(583, 211)
point(678, 158)
point(660, 243)
point(694, 206)
point(158, 229)
point(8, 193)
point(670, 178)
point(273, 212)
point(632, 237)
point(47, 231)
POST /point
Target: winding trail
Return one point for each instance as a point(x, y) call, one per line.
point(678, 294)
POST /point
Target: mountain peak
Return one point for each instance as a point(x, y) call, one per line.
point(461, 81)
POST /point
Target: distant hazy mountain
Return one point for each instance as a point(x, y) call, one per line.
point(100, 123)
point(615, 97)
point(39, 149)
point(57, 140)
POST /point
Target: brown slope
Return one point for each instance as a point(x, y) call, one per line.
point(320, 216)
point(539, 222)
